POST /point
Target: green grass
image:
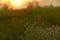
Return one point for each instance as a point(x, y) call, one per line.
point(30, 24)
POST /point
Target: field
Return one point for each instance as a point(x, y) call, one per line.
point(42, 23)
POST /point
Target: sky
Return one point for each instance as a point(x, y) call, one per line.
point(41, 2)
point(48, 2)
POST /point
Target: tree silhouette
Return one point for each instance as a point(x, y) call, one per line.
point(5, 7)
point(30, 5)
point(33, 4)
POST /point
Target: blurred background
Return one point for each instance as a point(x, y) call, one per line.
point(29, 19)
point(40, 2)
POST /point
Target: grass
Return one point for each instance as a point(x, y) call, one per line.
point(30, 24)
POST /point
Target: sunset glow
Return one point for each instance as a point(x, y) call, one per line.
point(17, 4)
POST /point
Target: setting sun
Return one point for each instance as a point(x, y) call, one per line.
point(16, 2)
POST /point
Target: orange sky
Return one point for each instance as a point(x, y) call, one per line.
point(8, 2)
point(41, 2)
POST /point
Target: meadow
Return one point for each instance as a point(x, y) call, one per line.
point(40, 23)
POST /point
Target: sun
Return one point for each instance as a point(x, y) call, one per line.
point(16, 2)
